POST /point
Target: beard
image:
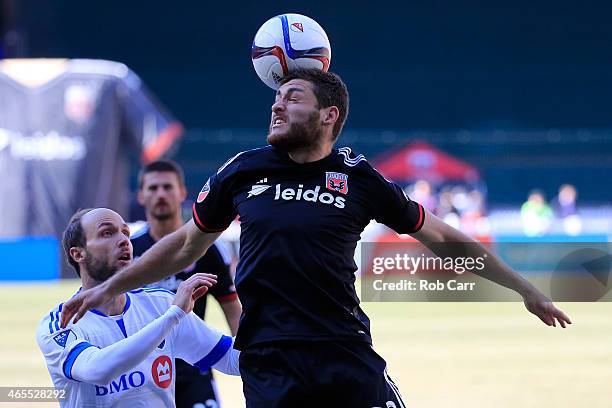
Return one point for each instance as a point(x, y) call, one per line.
point(99, 270)
point(298, 136)
point(161, 216)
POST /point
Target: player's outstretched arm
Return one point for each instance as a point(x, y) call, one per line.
point(101, 366)
point(168, 256)
point(435, 231)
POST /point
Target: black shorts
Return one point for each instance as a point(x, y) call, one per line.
point(316, 374)
point(194, 387)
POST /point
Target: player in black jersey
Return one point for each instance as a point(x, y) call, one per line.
point(161, 190)
point(303, 204)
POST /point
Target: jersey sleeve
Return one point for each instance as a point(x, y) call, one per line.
point(145, 122)
point(213, 210)
point(392, 207)
point(218, 258)
point(199, 344)
point(60, 347)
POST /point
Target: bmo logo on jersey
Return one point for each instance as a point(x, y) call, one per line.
point(134, 379)
point(161, 370)
point(312, 195)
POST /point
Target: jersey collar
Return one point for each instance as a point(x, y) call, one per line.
point(127, 306)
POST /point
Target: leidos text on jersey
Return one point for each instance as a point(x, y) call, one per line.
point(308, 195)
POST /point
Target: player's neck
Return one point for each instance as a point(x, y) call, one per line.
point(159, 229)
point(113, 307)
point(311, 154)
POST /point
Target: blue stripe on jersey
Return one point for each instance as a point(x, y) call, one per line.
point(151, 290)
point(57, 320)
point(72, 356)
point(224, 344)
point(122, 327)
point(54, 321)
point(137, 290)
point(128, 302)
point(51, 322)
point(99, 313)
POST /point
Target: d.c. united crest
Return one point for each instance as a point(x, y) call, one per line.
point(337, 182)
point(204, 192)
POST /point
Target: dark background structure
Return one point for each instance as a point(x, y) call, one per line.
point(519, 89)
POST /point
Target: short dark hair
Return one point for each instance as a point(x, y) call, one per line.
point(74, 236)
point(161, 165)
point(329, 89)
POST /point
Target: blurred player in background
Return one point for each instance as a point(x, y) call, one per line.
point(305, 341)
point(66, 129)
point(161, 190)
point(122, 354)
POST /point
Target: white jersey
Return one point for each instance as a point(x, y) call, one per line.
point(151, 382)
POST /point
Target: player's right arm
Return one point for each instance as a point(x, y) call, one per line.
point(168, 256)
point(212, 213)
point(171, 254)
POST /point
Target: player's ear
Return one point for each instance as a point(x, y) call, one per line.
point(331, 116)
point(183, 192)
point(77, 254)
point(140, 197)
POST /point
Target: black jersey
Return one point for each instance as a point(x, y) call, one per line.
point(300, 226)
point(216, 261)
point(64, 144)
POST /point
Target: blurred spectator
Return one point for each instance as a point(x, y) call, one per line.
point(536, 214)
point(445, 203)
point(446, 210)
point(473, 219)
point(565, 209)
point(461, 200)
point(422, 194)
point(565, 202)
point(457, 206)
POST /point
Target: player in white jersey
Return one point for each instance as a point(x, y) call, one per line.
point(122, 354)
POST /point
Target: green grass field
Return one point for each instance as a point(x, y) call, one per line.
point(440, 354)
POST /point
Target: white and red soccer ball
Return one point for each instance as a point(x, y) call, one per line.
point(287, 42)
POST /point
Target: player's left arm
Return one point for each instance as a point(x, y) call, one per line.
point(435, 231)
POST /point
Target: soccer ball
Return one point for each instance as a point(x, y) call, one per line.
point(287, 42)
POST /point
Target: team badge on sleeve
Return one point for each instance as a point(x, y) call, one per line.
point(204, 192)
point(62, 338)
point(337, 182)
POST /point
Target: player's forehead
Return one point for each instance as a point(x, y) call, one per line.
point(159, 177)
point(296, 85)
point(101, 217)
